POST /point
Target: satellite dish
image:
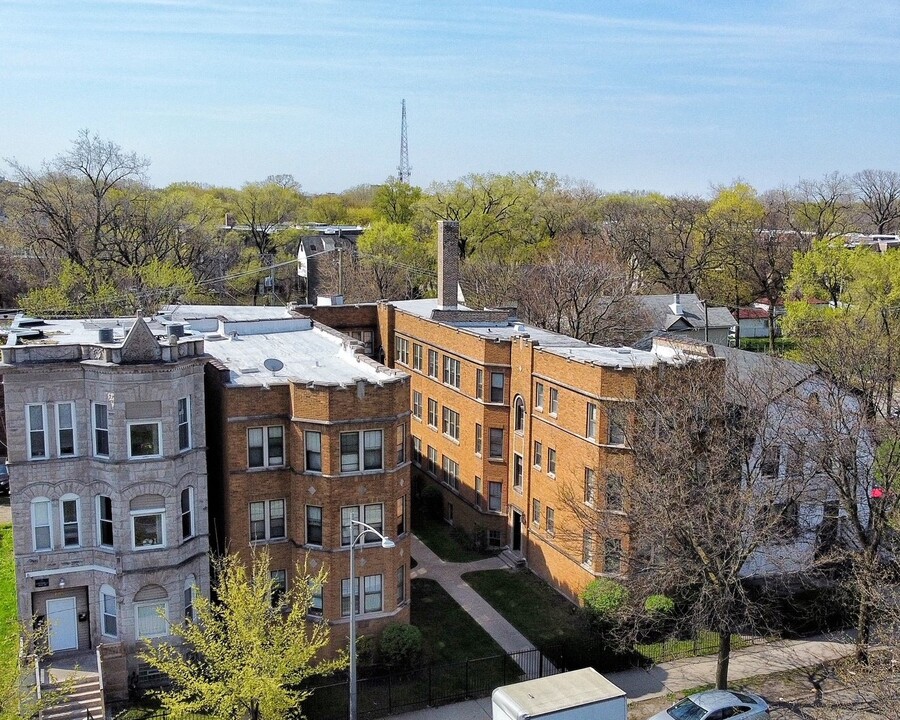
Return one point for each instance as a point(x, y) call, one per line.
point(273, 364)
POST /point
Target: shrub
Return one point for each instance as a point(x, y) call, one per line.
point(604, 597)
point(401, 645)
point(659, 605)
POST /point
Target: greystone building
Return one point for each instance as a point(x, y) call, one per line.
point(107, 462)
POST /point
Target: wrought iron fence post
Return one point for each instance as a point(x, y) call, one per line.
point(467, 678)
point(390, 702)
point(429, 684)
point(540, 663)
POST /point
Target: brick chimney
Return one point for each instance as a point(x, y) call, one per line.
point(448, 264)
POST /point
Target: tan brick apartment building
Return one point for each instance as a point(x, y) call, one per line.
point(523, 430)
point(312, 433)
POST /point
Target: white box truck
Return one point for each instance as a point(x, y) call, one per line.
point(577, 695)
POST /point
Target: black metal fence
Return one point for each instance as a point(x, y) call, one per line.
point(427, 686)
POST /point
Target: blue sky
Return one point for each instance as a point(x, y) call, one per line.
point(671, 95)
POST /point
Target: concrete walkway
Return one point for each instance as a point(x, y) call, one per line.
point(638, 684)
point(448, 576)
point(680, 675)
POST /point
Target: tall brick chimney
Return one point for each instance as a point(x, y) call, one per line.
point(448, 264)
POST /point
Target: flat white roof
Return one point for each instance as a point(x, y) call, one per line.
point(272, 346)
point(547, 340)
point(534, 698)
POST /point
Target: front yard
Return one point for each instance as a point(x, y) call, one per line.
point(9, 627)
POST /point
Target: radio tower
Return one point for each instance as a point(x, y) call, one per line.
point(403, 169)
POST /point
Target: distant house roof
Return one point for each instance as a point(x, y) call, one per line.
point(692, 317)
point(752, 313)
point(747, 371)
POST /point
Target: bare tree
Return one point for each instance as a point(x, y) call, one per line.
point(818, 208)
point(670, 239)
point(706, 510)
point(879, 192)
point(577, 289)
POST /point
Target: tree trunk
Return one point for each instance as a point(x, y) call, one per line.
point(771, 327)
point(863, 631)
point(722, 660)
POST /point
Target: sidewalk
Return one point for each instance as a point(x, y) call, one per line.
point(638, 684)
point(448, 576)
point(680, 675)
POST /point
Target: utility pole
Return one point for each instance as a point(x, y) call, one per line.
point(403, 169)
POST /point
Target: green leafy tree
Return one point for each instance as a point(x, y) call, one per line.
point(395, 201)
point(247, 654)
point(401, 265)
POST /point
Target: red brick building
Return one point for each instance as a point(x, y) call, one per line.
point(313, 434)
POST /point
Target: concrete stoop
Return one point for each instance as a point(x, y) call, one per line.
point(85, 701)
point(512, 559)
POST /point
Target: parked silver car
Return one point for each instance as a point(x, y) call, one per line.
point(717, 705)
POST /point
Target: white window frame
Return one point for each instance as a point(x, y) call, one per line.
point(371, 514)
point(551, 461)
point(539, 396)
point(48, 506)
point(538, 454)
point(479, 439)
point(519, 415)
point(400, 441)
point(373, 587)
point(312, 445)
point(450, 422)
point(154, 605)
point(98, 431)
point(362, 461)
point(433, 363)
point(108, 593)
point(590, 486)
point(267, 520)
point(101, 520)
point(44, 451)
point(417, 405)
point(316, 599)
point(159, 440)
point(188, 514)
point(265, 431)
point(554, 401)
point(71, 427)
point(402, 351)
point(479, 384)
point(161, 512)
point(518, 468)
point(535, 512)
point(450, 472)
point(591, 424)
point(70, 498)
point(185, 423)
point(346, 598)
point(616, 420)
point(432, 413)
point(417, 356)
point(452, 371)
point(550, 520)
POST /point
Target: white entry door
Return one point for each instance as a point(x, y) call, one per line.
point(63, 623)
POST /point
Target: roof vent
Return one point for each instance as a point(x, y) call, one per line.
point(176, 329)
point(105, 335)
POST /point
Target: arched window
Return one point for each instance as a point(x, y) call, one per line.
point(41, 524)
point(109, 612)
point(520, 414)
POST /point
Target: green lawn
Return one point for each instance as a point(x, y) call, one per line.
point(540, 613)
point(449, 634)
point(547, 619)
point(9, 629)
point(448, 544)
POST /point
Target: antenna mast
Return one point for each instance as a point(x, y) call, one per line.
point(403, 169)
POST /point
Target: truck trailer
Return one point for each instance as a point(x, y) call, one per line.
point(577, 695)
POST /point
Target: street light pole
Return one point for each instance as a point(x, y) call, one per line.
point(355, 537)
